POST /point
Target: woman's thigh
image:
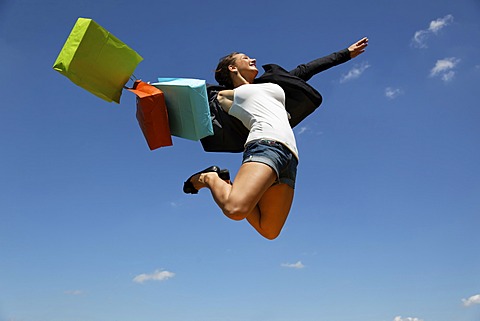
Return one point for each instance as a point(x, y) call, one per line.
point(253, 186)
point(251, 182)
point(271, 213)
point(274, 206)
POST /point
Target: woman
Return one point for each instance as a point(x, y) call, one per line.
point(263, 189)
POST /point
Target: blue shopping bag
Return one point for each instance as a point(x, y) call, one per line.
point(187, 105)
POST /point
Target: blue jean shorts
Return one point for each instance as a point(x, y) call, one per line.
point(275, 155)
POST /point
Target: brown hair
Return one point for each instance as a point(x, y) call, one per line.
point(222, 73)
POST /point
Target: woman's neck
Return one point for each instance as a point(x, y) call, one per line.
point(240, 80)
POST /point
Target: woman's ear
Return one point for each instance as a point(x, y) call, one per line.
point(233, 68)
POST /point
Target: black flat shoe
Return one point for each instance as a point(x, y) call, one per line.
point(222, 173)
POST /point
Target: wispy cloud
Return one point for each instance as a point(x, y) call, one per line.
point(420, 37)
point(158, 275)
point(355, 72)
point(399, 318)
point(438, 24)
point(74, 292)
point(392, 93)
point(298, 265)
point(474, 299)
point(444, 68)
point(302, 130)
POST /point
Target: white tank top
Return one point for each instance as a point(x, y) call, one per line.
point(261, 108)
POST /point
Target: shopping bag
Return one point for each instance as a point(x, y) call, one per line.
point(187, 105)
point(97, 61)
point(152, 115)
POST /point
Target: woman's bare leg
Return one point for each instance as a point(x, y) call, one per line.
point(272, 211)
point(251, 196)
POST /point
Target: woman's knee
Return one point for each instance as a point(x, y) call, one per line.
point(270, 234)
point(236, 211)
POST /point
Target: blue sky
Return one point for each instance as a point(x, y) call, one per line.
point(384, 225)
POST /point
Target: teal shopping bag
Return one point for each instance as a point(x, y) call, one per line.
point(187, 105)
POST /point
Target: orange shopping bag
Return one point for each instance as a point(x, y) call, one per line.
point(152, 115)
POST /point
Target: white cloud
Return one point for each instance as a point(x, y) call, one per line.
point(392, 93)
point(448, 76)
point(444, 64)
point(444, 68)
point(298, 265)
point(302, 130)
point(419, 39)
point(355, 72)
point(74, 292)
point(399, 318)
point(438, 24)
point(158, 275)
point(435, 26)
point(474, 299)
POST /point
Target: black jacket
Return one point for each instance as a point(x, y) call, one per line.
point(302, 99)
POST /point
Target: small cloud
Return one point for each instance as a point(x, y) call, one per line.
point(474, 299)
point(438, 24)
point(73, 292)
point(355, 72)
point(392, 93)
point(420, 37)
point(399, 318)
point(302, 130)
point(298, 265)
point(444, 68)
point(174, 204)
point(448, 76)
point(443, 65)
point(158, 275)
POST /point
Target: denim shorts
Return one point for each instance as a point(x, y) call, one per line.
point(275, 155)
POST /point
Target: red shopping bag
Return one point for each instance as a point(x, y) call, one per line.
point(152, 115)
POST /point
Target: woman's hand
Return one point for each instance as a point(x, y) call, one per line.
point(358, 47)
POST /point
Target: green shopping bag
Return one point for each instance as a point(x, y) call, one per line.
point(97, 61)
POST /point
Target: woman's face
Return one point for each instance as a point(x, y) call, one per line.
point(245, 65)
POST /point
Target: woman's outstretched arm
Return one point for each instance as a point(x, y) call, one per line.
point(308, 70)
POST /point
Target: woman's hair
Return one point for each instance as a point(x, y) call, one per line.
point(222, 73)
